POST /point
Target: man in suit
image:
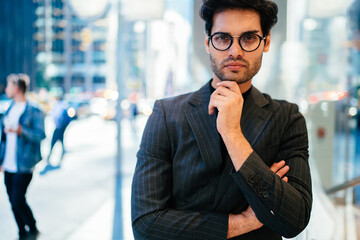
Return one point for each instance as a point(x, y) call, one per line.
point(225, 161)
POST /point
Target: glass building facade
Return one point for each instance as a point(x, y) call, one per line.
point(16, 41)
point(70, 51)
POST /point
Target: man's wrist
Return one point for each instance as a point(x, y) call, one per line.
point(242, 223)
point(235, 225)
point(238, 148)
point(232, 136)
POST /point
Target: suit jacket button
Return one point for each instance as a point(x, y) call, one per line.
point(265, 194)
point(252, 179)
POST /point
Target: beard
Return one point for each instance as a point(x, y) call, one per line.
point(236, 76)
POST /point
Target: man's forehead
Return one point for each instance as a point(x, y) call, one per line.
point(236, 21)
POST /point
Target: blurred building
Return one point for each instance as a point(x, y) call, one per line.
point(157, 46)
point(16, 42)
point(71, 52)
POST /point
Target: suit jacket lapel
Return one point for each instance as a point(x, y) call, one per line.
point(224, 183)
point(253, 121)
point(204, 128)
point(254, 117)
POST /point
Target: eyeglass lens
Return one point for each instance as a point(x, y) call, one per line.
point(248, 41)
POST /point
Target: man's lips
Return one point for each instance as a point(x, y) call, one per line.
point(234, 66)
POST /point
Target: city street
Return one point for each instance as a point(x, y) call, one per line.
point(77, 200)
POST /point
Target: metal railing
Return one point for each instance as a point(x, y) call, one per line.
point(348, 184)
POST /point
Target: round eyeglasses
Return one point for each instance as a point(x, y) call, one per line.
point(248, 42)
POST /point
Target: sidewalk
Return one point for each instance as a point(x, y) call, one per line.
point(77, 201)
point(97, 226)
point(101, 224)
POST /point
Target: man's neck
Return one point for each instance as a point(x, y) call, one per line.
point(19, 98)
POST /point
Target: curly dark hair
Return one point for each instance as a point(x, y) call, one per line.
point(266, 8)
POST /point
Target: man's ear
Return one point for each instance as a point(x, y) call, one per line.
point(267, 42)
point(207, 44)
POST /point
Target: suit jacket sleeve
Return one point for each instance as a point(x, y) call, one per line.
point(283, 207)
point(152, 215)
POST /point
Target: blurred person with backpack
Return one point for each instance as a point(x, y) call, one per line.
point(22, 130)
point(61, 119)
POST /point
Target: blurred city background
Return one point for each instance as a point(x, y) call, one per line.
point(110, 59)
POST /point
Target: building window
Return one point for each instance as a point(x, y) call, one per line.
point(99, 80)
point(99, 46)
point(78, 57)
point(78, 80)
point(57, 46)
point(57, 81)
point(99, 57)
point(99, 83)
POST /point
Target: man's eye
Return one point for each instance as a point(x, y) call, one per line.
point(222, 37)
point(249, 37)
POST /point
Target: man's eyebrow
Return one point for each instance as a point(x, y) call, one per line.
point(252, 31)
point(247, 32)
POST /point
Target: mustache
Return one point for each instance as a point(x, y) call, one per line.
point(238, 59)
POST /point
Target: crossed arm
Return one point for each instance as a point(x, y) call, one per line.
point(157, 220)
point(247, 221)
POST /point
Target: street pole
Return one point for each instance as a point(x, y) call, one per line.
point(118, 219)
point(120, 55)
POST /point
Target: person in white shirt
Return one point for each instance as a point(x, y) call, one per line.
point(22, 131)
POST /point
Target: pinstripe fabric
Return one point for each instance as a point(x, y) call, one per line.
point(183, 189)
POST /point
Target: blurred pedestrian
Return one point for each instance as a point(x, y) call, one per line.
point(134, 111)
point(61, 119)
point(22, 131)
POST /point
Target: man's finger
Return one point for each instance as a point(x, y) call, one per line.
point(232, 85)
point(214, 103)
point(224, 91)
point(283, 171)
point(276, 166)
point(285, 179)
point(211, 108)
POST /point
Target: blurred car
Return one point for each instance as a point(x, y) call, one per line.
point(80, 107)
point(102, 107)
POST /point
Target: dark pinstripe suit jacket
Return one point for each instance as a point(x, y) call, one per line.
point(184, 189)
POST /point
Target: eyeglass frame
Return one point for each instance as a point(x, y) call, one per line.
point(232, 40)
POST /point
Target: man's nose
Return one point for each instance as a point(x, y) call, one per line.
point(235, 49)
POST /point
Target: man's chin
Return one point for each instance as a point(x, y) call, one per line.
point(229, 80)
point(238, 81)
point(235, 77)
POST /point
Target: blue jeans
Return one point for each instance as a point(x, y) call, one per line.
point(16, 186)
point(58, 135)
